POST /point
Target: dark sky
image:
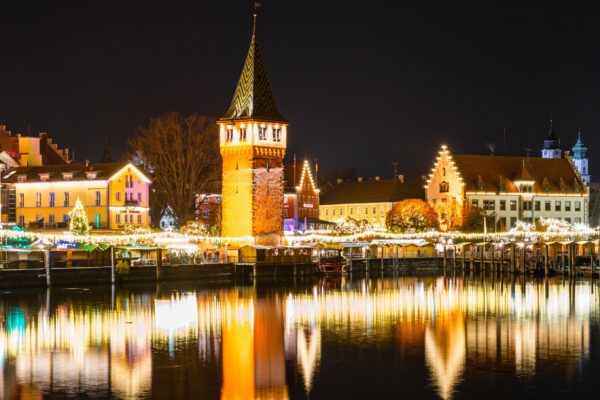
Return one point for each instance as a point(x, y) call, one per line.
point(362, 84)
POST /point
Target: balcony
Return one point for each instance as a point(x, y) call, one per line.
point(132, 203)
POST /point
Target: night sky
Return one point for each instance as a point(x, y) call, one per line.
point(362, 84)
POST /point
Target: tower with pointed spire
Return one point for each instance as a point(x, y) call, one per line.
point(253, 140)
point(580, 159)
point(551, 147)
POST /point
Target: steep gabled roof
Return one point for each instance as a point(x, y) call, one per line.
point(548, 174)
point(373, 191)
point(102, 171)
point(253, 98)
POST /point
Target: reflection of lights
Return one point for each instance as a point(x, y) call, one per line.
point(179, 314)
point(445, 352)
point(309, 355)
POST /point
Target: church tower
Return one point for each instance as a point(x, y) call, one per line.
point(551, 145)
point(580, 159)
point(253, 139)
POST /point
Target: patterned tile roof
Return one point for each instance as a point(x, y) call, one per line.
point(253, 98)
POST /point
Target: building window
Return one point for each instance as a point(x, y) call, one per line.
point(38, 199)
point(277, 134)
point(98, 221)
point(333, 212)
point(548, 206)
point(513, 205)
point(139, 197)
point(66, 199)
point(502, 205)
point(98, 198)
point(284, 213)
point(21, 200)
point(374, 210)
point(568, 220)
point(326, 212)
point(557, 205)
point(351, 209)
point(444, 187)
point(22, 220)
point(262, 133)
point(341, 211)
point(489, 205)
point(118, 218)
point(51, 199)
point(51, 219)
point(118, 196)
point(65, 218)
point(366, 210)
point(243, 134)
point(229, 134)
point(444, 171)
point(475, 203)
point(527, 205)
point(577, 206)
point(513, 222)
point(567, 206)
point(139, 219)
point(577, 220)
point(538, 205)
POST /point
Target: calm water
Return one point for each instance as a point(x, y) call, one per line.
point(406, 337)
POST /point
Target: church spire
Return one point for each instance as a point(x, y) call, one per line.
point(253, 98)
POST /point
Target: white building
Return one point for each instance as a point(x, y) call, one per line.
point(580, 159)
point(509, 188)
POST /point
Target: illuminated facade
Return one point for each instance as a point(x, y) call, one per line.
point(114, 195)
point(510, 189)
point(253, 140)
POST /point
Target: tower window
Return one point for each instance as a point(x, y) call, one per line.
point(242, 134)
point(229, 134)
point(262, 133)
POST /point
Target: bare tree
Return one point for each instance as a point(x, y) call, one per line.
point(181, 153)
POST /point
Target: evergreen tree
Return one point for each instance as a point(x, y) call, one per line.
point(78, 222)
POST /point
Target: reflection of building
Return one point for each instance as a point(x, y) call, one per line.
point(368, 200)
point(510, 188)
point(114, 195)
point(253, 140)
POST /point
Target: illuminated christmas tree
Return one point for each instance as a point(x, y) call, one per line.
point(78, 222)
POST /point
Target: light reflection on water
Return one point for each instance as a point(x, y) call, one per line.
point(270, 343)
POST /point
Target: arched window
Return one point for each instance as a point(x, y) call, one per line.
point(444, 187)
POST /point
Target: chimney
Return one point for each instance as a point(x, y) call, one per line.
point(377, 178)
point(339, 180)
point(401, 178)
point(360, 179)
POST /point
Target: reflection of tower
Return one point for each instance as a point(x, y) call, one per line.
point(253, 349)
point(580, 159)
point(253, 137)
point(269, 350)
point(309, 354)
point(445, 352)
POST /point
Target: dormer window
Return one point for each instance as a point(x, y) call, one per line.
point(67, 176)
point(21, 178)
point(44, 177)
point(262, 133)
point(229, 134)
point(91, 175)
point(242, 134)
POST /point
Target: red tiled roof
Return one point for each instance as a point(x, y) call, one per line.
point(373, 191)
point(498, 173)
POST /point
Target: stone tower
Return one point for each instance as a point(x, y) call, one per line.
point(580, 159)
point(551, 145)
point(253, 138)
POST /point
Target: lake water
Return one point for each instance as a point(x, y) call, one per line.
point(395, 337)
